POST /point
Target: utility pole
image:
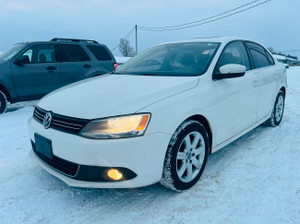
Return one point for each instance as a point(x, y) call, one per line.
point(136, 41)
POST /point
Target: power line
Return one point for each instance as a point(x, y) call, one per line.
point(130, 32)
point(210, 19)
point(126, 37)
point(201, 20)
point(115, 47)
point(223, 15)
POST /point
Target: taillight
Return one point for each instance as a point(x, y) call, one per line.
point(115, 65)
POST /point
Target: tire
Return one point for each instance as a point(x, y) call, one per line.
point(186, 156)
point(277, 112)
point(3, 102)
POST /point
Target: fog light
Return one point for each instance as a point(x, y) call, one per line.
point(114, 174)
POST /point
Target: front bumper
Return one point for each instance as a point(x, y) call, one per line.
point(144, 156)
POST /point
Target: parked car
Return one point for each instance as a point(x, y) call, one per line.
point(159, 116)
point(29, 71)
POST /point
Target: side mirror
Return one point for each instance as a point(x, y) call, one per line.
point(230, 71)
point(24, 59)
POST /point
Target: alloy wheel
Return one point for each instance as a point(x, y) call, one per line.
point(279, 108)
point(190, 157)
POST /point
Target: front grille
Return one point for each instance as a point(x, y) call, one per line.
point(60, 122)
point(59, 164)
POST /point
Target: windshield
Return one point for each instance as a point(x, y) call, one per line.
point(8, 54)
point(177, 59)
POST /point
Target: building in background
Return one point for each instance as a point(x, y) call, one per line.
point(287, 59)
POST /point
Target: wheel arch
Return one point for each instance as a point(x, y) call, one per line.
point(201, 119)
point(6, 92)
point(283, 89)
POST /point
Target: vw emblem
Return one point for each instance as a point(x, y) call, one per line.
point(47, 120)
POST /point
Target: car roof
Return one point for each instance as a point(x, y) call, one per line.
point(223, 40)
point(64, 41)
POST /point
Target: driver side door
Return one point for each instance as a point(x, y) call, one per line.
point(39, 74)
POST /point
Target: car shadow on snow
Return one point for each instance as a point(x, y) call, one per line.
point(17, 106)
point(100, 197)
point(240, 158)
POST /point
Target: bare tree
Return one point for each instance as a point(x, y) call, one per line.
point(125, 48)
point(271, 49)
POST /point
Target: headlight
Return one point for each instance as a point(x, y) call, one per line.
point(116, 127)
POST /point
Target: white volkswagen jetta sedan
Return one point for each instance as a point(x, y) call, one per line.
point(159, 116)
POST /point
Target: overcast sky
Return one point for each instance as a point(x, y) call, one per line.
point(275, 23)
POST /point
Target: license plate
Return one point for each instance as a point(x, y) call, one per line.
point(43, 145)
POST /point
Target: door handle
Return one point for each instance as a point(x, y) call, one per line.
point(255, 83)
point(50, 68)
point(87, 66)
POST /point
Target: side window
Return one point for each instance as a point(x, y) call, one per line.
point(100, 53)
point(71, 53)
point(234, 53)
point(259, 55)
point(41, 54)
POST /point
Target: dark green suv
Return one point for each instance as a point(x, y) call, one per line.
point(28, 71)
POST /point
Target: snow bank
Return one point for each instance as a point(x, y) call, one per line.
point(122, 60)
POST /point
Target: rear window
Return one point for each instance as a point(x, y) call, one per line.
point(71, 53)
point(100, 53)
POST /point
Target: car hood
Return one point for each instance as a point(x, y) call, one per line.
point(112, 95)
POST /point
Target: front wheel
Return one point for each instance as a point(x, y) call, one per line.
point(186, 156)
point(3, 102)
point(277, 112)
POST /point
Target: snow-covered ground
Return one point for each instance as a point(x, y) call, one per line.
point(256, 179)
point(122, 60)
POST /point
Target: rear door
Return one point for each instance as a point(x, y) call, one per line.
point(40, 75)
point(237, 97)
point(75, 63)
point(104, 61)
point(268, 74)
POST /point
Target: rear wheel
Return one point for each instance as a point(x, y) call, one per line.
point(3, 102)
point(186, 156)
point(277, 112)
